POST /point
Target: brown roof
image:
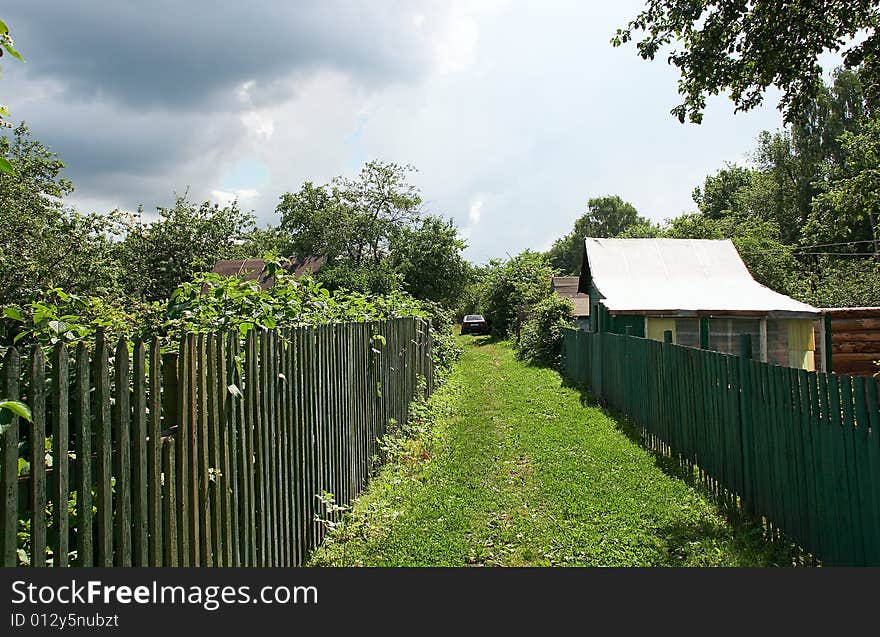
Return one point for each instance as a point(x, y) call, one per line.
point(253, 269)
point(567, 287)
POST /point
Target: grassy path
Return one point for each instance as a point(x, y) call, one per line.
point(517, 471)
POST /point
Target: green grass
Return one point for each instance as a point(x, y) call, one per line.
point(512, 469)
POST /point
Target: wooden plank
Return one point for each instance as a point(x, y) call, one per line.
point(313, 449)
point(82, 431)
point(103, 465)
point(154, 454)
point(37, 484)
point(169, 504)
point(857, 347)
point(60, 456)
point(9, 474)
point(848, 429)
point(873, 449)
point(227, 454)
point(201, 476)
point(232, 436)
point(854, 324)
point(181, 453)
point(122, 458)
point(841, 479)
point(250, 493)
point(851, 359)
point(192, 479)
point(870, 516)
point(140, 503)
point(215, 462)
point(260, 502)
point(865, 336)
point(272, 481)
point(283, 409)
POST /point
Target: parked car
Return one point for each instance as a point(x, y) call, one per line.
point(474, 324)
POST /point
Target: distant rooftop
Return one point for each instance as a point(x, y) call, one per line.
point(567, 287)
point(254, 269)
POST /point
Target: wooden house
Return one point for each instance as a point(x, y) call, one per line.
point(698, 289)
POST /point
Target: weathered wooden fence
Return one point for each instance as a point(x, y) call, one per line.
point(798, 448)
point(213, 455)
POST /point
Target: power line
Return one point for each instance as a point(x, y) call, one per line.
point(826, 254)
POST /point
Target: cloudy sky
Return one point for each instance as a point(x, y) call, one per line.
point(514, 113)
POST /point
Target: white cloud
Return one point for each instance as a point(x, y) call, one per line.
point(474, 212)
point(259, 123)
point(225, 197)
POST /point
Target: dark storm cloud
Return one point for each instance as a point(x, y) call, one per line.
point(192, 53)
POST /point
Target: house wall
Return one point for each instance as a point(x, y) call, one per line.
point(855, 340)
point(656, 327)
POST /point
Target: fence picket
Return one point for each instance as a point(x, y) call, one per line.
point(37, 484)
point(140, 504)
point(60, 456)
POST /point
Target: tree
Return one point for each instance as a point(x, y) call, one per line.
point(315, 221)
point(6, 44)
point(608, 216)
point(43, 243)
point(186, 239)
point(351, 219)
point(428, 258)
point(381, 202)
point(514, 286)
point(848, 207)
point(746, 47)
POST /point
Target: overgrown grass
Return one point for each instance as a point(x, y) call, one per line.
point(507, 467)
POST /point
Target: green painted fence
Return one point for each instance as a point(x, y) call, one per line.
point(797, 448)
point(213, 455)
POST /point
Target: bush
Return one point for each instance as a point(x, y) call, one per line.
point(541, 337)
point(520, 283)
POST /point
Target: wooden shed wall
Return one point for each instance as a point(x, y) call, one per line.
point(855, 340)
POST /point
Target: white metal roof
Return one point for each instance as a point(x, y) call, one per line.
point(680, 276)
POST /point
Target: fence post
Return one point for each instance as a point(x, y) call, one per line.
point(744, 368)
point(826, 345)
point(745, 345)
point(704, 333)
point(667, 336)
point(170, 390)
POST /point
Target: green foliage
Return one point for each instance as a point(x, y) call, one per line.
point(367, 279)
point(352, 220)
point(514, 286)
point(157, 256)
point(11, 408)
point(43, 244)
point(848, 205)
point(373, 235)
point(58, 316)
point(745, 47)
point(608, 216)
point(541, 338)
point(6, 44)
point(428, 258)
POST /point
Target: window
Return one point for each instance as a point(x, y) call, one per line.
point(724, 335)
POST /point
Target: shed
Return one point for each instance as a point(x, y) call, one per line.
point(701, 291)
point(255, 269)
point(567, 287)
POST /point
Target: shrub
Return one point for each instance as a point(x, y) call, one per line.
point(520, 283)
point(541, 337)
